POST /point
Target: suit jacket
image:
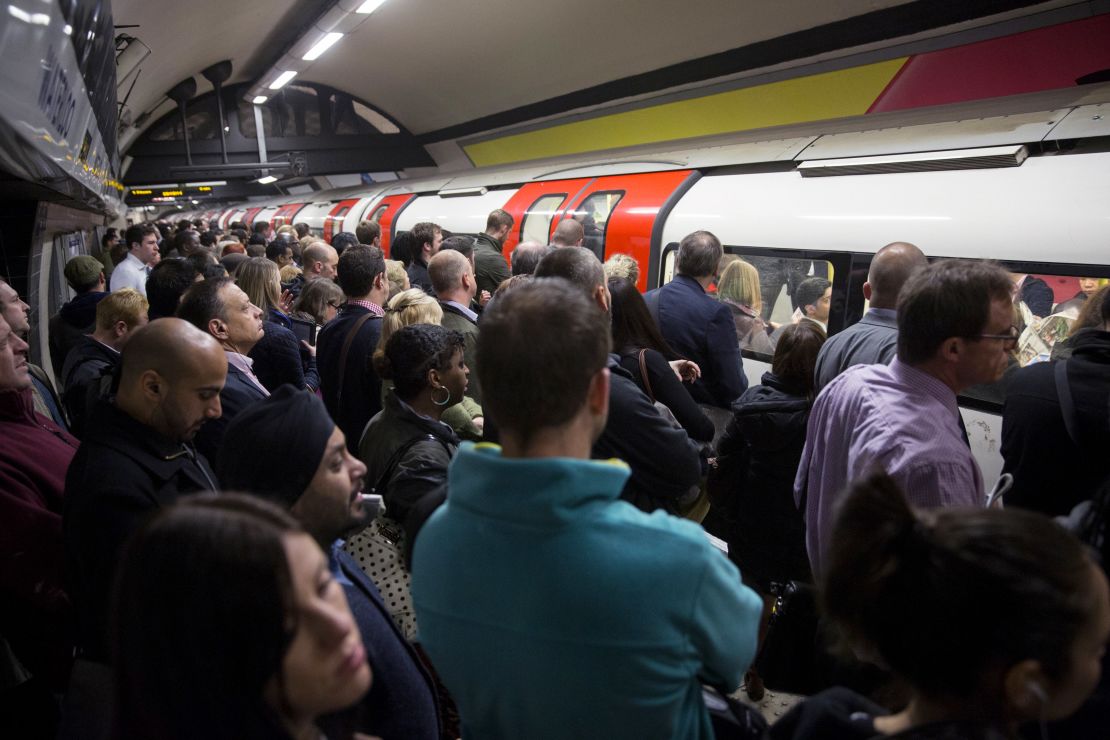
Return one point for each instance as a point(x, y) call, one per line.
point(238, 393)
point(454, 319)
point(361, 396)
point(701, 329)
point(122, 474)
point(419, 278)
point(84, 365)
point(402, 699)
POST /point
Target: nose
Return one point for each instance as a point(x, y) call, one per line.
point(214, 410)
point(334, 623)
point(19, 347)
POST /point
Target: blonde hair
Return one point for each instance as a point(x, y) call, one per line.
point(126, 304)
point(622, 266)
point(412, 306)
point(740, 283)
point(287, 229)
point(396, 275)
point(260, 280)
point(289, 273)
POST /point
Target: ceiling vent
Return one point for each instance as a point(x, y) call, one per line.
point(955, 159)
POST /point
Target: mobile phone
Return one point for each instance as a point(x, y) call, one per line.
point(305, 330)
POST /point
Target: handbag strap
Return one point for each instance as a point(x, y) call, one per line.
point(347, 342)
point(642, 356)
point(1067, 405)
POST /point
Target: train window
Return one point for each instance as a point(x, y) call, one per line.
point(295, 111)
point(536, 224)
point(202, 125)
point(377, 217)
point(593, 213)
point(375, 119)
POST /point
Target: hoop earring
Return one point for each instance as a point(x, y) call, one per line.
point(446, 400)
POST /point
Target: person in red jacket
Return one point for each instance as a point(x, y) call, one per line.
point(35, 616)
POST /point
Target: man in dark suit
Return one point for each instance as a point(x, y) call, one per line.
point(288, 450)
point(453, 278)
point(352, 390)
point(428, 238)
point(699, 327)
point(220, 308)
point(136, 457)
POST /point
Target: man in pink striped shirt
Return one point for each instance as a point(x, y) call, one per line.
point(954, 331)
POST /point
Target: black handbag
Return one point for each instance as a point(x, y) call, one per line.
point(789, 658)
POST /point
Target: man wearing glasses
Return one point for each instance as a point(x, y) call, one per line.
point(954, 331)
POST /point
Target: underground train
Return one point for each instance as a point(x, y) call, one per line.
point(1030, 190)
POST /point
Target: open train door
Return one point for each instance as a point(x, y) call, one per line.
point(620, 213)
point(334, 219)
point(285, 214)
point(535, 207)
point(385, 212)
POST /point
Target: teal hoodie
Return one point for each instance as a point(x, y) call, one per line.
point(552, 609)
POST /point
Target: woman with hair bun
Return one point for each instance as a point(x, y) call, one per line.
point(407, 447)
point(230, 626)
point(993, 618)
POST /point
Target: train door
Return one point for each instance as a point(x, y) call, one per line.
point(619, 213)
point(385, 213)
point(535, 207)
point(248, 217)
point(285, 214)
point(334, 220)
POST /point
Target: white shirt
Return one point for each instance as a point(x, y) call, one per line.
point(131, 273)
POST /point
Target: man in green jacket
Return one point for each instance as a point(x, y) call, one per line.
point(490, 266)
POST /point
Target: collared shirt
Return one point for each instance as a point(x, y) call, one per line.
point(333, 564)
point(872, 339)
point(464, 310)
point(131, 273)
point(897, 418)
point(244, 364)
point(370, 306)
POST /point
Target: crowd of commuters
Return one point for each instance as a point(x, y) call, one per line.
point(292, 489)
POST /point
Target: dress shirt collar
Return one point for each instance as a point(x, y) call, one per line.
point(243, 364)
point(370, 306)
point(881, 317)
point(927, 383)
point(464, 310)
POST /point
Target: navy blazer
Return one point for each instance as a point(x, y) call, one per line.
point(362, 389)
point(700, 328)
point(238, 393)
point(402, 699)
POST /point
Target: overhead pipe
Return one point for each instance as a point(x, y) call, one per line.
point(218, 74)
point(180, 93)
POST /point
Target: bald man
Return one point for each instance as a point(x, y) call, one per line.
point(526, 256)
point(136, 458)
point(453, 279)
point(569, 233)
point(874, 338)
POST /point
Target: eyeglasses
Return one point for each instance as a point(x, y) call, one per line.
point(1009, 340)
point(336, 306)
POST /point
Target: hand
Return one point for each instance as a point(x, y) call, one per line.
point(483, 298)
point(286, 302)
point(310, 348)
point(479, 422)
point(685, 370)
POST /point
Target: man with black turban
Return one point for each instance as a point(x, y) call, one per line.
point(287, 449)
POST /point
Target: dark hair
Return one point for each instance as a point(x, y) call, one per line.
point(276, 249)
point(423, 233)
point(257, 238)
point(358, 266)
point(577, 265)
point(498, 218)
point(201, 302)
point(411, 352)
point(402, 248)
point(809, 291)
point(135, 234)
point(947, 299)
point(526, 258)
point(302, 229)
point(168, 281)
point(183, 240)
point(1104, 308)
point(367, 232)
point(260, 227)
point(633, 326)
point(204, 613)
point(464, 245)
point(240, 234)
point(795, 356)
point(698, 254)
point(981, 589)
point(208, 239)
point(342, 240)
point(513, 356)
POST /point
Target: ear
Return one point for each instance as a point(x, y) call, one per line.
point(152, 386)
point(867, 291)
point(119, 329)
point(597, 397)
point(600, 293)
point(1026, 689)
point(434, 379)
point(951, 349)
point(217, 328)
point(380, 281)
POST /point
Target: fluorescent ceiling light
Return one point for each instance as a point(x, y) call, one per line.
point(210, 183)
point(461, 192)
point(322, 45)
point(259, 99)
point(369, 6)
point(282, 79)
point(266, 180)
point(36, 19)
